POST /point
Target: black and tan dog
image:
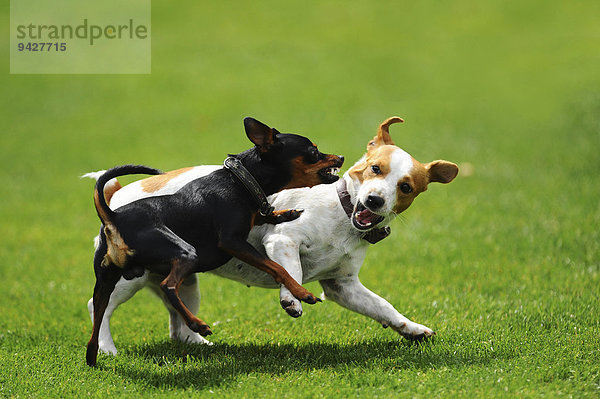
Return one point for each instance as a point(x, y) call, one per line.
point(205, 223)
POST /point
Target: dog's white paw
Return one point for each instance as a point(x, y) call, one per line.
point(291, 305)
point(413, 331)
point(107, 347)
point(192, 338)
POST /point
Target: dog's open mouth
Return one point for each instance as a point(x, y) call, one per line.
point(363, 218)
point(330, 173)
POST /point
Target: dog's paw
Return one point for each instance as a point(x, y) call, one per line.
point(283, 216)
point(292, 306)
point(192, 338)
point(414, 331)
point(107, 347)
point(302, 294)
point(202, 329)
point(290, 214)
point(310, 298)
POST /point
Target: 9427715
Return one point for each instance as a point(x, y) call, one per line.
point(48, 46)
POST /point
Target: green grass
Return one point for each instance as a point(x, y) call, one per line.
point(504, 264)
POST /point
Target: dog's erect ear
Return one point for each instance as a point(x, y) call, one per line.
point(383, 134)
point(441, 171)
point(260, 134)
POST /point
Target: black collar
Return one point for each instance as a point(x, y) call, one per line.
point(372, 236)
point(235, 166)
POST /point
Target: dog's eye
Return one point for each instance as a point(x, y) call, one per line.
point(314, 154)
point(406, 188)
point(375, 169)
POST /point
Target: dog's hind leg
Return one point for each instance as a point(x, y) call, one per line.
point(165, 248)
point(351, 294)
point(180, 270)
point(190, 295)
point(106, 279)
point(123, 291)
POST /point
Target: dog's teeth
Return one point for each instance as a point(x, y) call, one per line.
point(332, 171)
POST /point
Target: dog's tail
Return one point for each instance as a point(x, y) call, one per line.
point(106, 214)
point(110, 188)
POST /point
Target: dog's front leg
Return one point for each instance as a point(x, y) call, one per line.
point(284, 251)
point(277, 217)
point(242, 250)
point(351, 294)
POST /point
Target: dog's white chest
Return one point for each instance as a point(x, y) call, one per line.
point(331, 261)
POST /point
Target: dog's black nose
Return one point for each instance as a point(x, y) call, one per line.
point(374, 202)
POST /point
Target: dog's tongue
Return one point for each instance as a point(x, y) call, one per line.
point(365, 217)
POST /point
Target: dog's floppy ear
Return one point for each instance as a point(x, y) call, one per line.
point(260, 134)
point(383, 134)
point(441, 171)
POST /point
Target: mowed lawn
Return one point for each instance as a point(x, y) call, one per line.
point(504, 262)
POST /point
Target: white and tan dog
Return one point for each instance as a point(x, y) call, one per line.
point(328, 243)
